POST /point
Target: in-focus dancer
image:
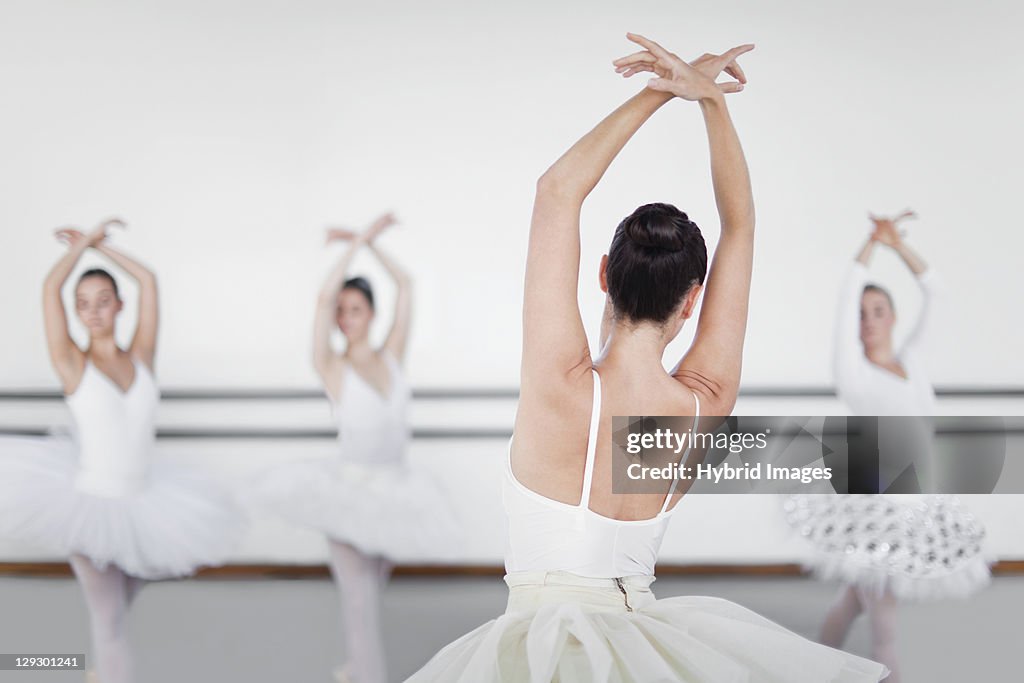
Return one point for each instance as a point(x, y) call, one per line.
point(371, 506)
point(580, 558)
point(888, 548)
point(122, 515)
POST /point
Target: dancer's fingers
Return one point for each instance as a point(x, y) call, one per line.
point(383, 222)
point(635, 70)
point(730, 56)
point(625, 65)
point(642, 56)
point(730, 86)
point(652, 47)
point(111, 223)
point(340, 234)
point(736, 71)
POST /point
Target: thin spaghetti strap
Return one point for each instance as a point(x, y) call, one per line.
point(682, 458)
point(595, 424)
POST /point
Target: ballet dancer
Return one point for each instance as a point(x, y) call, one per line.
point(580, 558)
point(373, 508)
point(886, 549)
point(102, 498)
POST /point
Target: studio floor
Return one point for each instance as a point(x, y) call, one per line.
point(274, 630)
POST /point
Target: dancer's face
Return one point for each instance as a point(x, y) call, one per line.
point(97, 305)
point(354, 314)
point(876, 319)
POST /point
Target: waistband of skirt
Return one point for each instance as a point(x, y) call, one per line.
point(563, 578)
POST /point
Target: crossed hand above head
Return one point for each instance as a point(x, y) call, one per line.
point(696, 80)
point(886, 230)
point(378, 226)
point(72, 236)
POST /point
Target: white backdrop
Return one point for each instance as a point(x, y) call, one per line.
point(230, 133)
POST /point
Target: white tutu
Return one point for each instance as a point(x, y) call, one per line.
point(916, 547)
point(177, 522)
point(388, 510)
point(570, 629)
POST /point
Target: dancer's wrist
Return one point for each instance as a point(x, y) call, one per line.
point(713, 103)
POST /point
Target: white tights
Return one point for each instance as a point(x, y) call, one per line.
point(881, 611)
point(359, 579)
point(108, 595)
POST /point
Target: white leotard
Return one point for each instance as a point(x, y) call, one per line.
point(115, 430)
point(548, 535)
point(373, 428)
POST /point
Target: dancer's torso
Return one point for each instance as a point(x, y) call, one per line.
point(373, 427)
point(115, 430)
point(877, 391)
point(870, 390)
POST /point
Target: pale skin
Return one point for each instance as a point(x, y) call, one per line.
point(350, 311)
point(97, 306)
point(551, 428)
point(877, 317)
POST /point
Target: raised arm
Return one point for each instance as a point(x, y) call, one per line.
point(143, 344)
point(712, 364)
point(714, 360)
point(327, 365)
point(554, 339)
point(888, 233)
point(848, 354)
point(67, 359)
point(398, 335)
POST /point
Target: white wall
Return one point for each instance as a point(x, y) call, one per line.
point(230, 133)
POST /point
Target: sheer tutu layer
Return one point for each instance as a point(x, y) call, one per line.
point(178, 521)
point(580, 634)
point(387, 510)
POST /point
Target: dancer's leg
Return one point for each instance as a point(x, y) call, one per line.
point(106, 598)
point(384, 570)
point(840, 616)
point(358, 578)
point(133, 585)
point(881, 611)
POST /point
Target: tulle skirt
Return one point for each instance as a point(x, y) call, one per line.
point(388, 510)
point(176, 522)
point(915, 547)
point(566, 628)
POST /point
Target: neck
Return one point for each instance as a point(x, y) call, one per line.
point(879, 354)
point(103, 347)
point(359, 348)
point(638, 347)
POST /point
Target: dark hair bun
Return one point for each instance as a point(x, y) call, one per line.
point(659, 226)
point(656, 256)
